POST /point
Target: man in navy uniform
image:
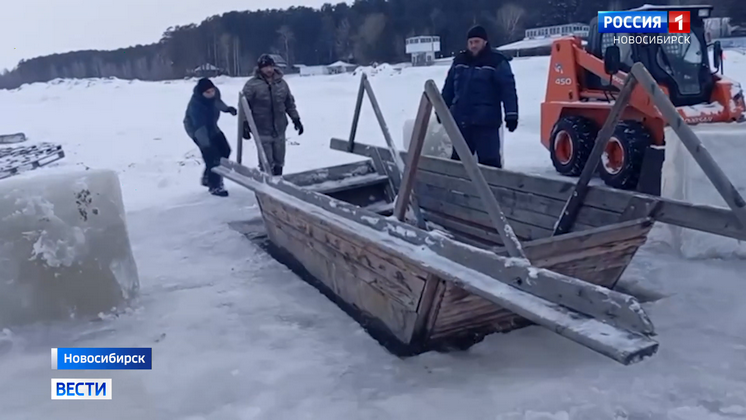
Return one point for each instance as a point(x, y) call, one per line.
point(479, 85)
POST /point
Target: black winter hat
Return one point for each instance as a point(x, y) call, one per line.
point(477, 32)
point(204, 84)
point(265, 60)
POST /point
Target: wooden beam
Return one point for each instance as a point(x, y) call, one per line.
point(575, 201)
point(239, 138)
point(692, 143)
point(356, 115)
point(246, 109)
point(405, 198)
point(470, 164)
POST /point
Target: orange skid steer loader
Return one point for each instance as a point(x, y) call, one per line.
point(580, 95)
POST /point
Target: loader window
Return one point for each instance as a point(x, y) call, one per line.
point(684, 63)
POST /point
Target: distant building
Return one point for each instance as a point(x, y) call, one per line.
point(207, 70)
point(312, 70)
point(341, 67)
point(423, 49)
point(538, 41)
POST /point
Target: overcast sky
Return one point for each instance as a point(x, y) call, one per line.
point(30, 28)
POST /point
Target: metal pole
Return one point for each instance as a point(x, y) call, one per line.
point(574, 202)
point(470, 164)
point(698, 151)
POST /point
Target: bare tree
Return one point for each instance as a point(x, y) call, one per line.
point(286, 38)
point(509, 18)
point(368, 35)
point(342, 44)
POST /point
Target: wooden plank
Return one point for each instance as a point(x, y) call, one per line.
point(622, 344)
point(499, 221)
point(591, 238)
point(580, 191)
point(640, 207)
point(428, 299)
point(397, 280)
point(689, 139)
point(468, 220)
point(332, 173)
point(526, 208)
point(346, 285)
point(390, 190)
point(356, 116)
point(239, 138)
point(348, 183)
point(404, 199)
point(246, 109)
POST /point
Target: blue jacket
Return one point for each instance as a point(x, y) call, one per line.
point(477, 85)
point(202, 115)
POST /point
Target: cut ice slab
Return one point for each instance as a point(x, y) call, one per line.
point(683, 179)
point(64, 248)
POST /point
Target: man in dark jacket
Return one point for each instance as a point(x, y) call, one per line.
point(271, 103)
point(201, 124)
point(479, 81)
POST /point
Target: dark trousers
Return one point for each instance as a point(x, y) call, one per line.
point(485, 142)
point(219, 148)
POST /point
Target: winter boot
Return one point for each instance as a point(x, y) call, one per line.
point(277, 170)
point(204, 180)
point(219, 191)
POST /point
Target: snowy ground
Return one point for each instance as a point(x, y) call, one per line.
point(236, 335)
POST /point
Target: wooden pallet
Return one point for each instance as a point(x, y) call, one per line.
point(14, 160)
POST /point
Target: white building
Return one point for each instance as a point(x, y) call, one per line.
point(423, 49)
point(538, 41)
point(341, 67)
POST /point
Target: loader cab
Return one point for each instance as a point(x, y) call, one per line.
point(683, 68)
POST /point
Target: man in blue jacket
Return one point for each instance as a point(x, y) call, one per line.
point(201, 124)
point(479, 81)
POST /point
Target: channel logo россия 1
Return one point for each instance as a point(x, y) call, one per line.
point(659, 22)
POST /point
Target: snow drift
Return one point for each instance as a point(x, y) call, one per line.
point(64, 247)
point(684, 180)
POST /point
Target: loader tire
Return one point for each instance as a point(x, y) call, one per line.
point(571, 143)
point(622, 159)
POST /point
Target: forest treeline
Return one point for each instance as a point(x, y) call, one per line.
point(362, 32)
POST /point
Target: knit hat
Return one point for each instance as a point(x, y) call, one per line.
point(265, 60)
point(204, 84)
point(477, 32)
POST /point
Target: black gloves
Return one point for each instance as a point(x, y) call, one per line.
point(246, 130)
point(511, 124)
point(298, 126)
point(233, 111)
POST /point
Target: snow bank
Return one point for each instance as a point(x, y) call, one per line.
point(437, 142)
point(684, 180)
point(384, 69)
point(64, 247)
